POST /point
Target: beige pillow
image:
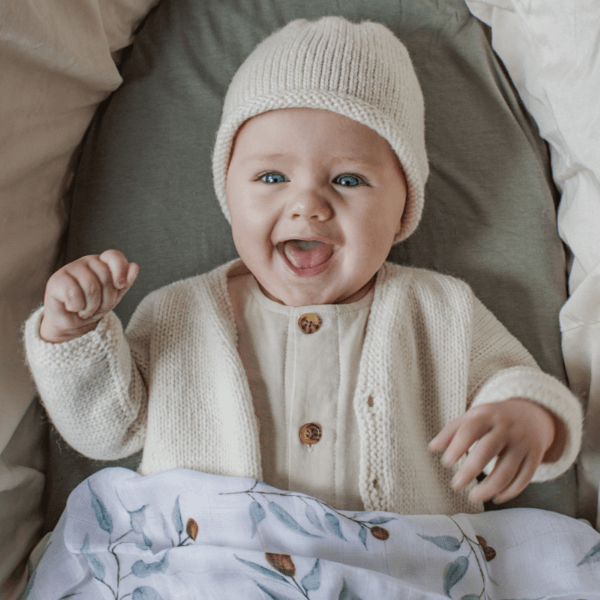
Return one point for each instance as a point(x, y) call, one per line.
point(55, 68)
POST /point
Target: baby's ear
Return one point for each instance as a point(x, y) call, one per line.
point(404, 197)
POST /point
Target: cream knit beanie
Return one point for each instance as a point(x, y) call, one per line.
point(359, 70)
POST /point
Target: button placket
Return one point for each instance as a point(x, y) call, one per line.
point(314, 383)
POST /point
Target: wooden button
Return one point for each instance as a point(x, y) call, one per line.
point(310, 433)
point(309, 322)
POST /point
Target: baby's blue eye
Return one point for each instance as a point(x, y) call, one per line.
point(272, 178)
point(348, 180)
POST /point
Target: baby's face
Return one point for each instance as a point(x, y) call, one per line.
point(315, 201)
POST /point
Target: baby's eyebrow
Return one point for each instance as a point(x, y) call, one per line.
point(265, 157)
point(365, 161)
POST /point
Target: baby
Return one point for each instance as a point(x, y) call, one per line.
point(310, 363)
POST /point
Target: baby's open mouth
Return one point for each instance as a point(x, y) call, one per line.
point(306, 254)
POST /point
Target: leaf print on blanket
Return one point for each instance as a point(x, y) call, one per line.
point(141, 568)
point(284, 517)
point(95, 563)
point(312, 581)
point(592, 556)
point(334, 525)
point(347, 594)
point(313, 518)
point(145, 593)
point(257, 514)
point(262, 570)
point(284, 572)
point(445, 542)
point(455, 570)
point(102, 515)
point(137, 520)
point(332, 517)
point(176, 516)
point(107, 562)
point(191, 527)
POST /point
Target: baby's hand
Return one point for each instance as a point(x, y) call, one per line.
point(79, 293)
point(518, 431)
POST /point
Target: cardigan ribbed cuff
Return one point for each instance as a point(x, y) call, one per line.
point(84, 350)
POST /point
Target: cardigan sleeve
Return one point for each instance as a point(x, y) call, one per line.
point(94, 387)
point(501, 368)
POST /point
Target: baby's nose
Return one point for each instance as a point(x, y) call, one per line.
point(311, 205)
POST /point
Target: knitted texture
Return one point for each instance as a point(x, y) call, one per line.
point(425, 359)
point(361, 71)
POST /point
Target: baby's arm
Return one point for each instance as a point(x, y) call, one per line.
point(91, 381)
point(525, 419)
point(81, 292)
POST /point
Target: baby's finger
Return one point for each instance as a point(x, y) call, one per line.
point(132, 273)
point(91, 286)
point(440, 442)
point(109, 293)
point(489, 446)
point(500, 478)
point(520, 482)
point(118, 266)
point(65, 295)
point(468, 433)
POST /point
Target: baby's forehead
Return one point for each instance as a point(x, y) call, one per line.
point(287, 134)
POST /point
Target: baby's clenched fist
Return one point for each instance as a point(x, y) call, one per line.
point(80, 293)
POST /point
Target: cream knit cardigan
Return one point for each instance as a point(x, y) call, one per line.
point(175, 385)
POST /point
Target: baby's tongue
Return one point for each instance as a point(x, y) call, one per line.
point(305, 254)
